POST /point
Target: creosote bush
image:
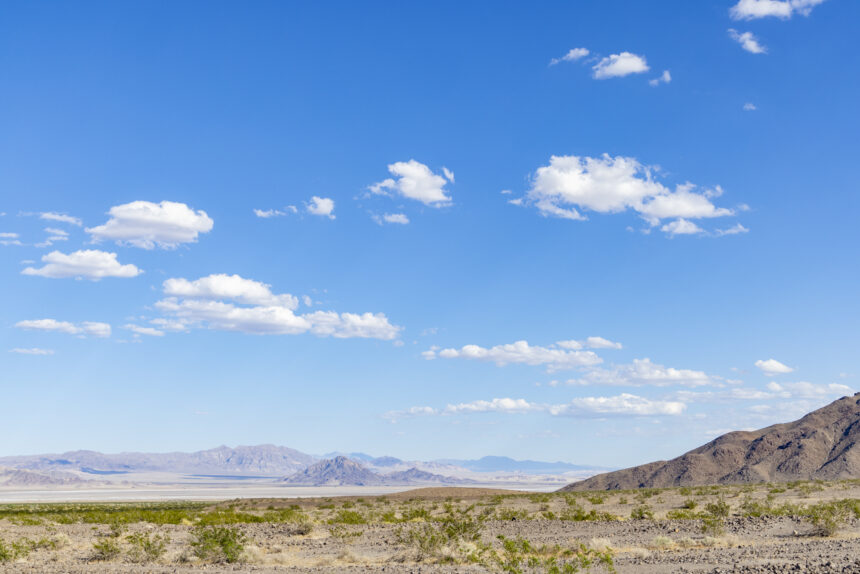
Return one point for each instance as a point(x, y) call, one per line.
point(218, 543)
point(146, 547)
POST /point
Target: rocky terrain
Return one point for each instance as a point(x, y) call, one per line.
point(821, 445)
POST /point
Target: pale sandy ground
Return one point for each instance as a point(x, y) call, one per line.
point(749, 545)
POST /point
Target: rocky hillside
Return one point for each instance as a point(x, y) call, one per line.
point(821, 445)
point(338, 471)
point(343, 471)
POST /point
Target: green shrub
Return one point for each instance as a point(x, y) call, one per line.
point(348, 517)
point(690, 504)
point(828, 517)
point(106, 549)
point(147, 547)
point(218, 543)
point(642, 512)
point(518, 556)
point(5, 552)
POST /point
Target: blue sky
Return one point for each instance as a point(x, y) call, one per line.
point(600, 232)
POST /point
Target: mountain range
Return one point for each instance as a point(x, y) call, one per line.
point(821, 445)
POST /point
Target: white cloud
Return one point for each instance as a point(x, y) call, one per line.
point(61, 217)
point(773, 367)
point(88, 264)
point(322, 206)
point(681, 227)
point(613, 185)
point(223, 286)
point(147, 225)
point(233, 303)
point(620, 405)
point(623, 404)
point(748, 41)
point(806, 390)
point(414, 180)
point(55, 231)
point(601, 343)
point(750, 107)
point(643, 372)
point(733, 230)
point(399, 218)
point(619, 65)
point(448, 174)
point(9, 238)
point(149, 331)
point(265, 214)
point(32, 351)
point(571, 56)
point(555, 357)
point(87, 328)
point(664, 78)
point(782, 9)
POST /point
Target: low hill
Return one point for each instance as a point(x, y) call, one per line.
point(821, 445)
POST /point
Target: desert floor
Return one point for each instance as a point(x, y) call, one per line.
point(799, 527)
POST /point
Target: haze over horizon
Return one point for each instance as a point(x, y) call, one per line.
point(596, 232)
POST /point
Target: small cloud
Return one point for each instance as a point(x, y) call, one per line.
point(148, 225)
point(149, 331)
point(734, 230)
point(664, 78)
point(89, 264)
point(571, 56)
point(32, 351)
point(773, 367)
point(322, 206)
point(682, 227)
point(61, 217)
point(399, 218)
point(416, 181)
point(619, 65)
point(782, 9)
point(748, 41)
point(506, 192)
point(749, 107)
point(267, 213)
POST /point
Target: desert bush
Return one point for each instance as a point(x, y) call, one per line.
point(344, 535)
point(218, 543)
point(348, 517)
point(511, 514)
point(577, 513)
point(452, 531)
point(682, 514)
point(5, 552)
point(828, 517)
point(662, 542)
point(106, 549)
point(690, 504)
point(596, 498)
point(642, 512)
point(519, 556)
point(146, 547)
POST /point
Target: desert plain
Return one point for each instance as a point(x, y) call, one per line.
point(804, 526)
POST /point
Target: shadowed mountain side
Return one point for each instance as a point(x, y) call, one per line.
point(821, 445)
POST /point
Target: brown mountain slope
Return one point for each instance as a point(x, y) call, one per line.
point(821, 445)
